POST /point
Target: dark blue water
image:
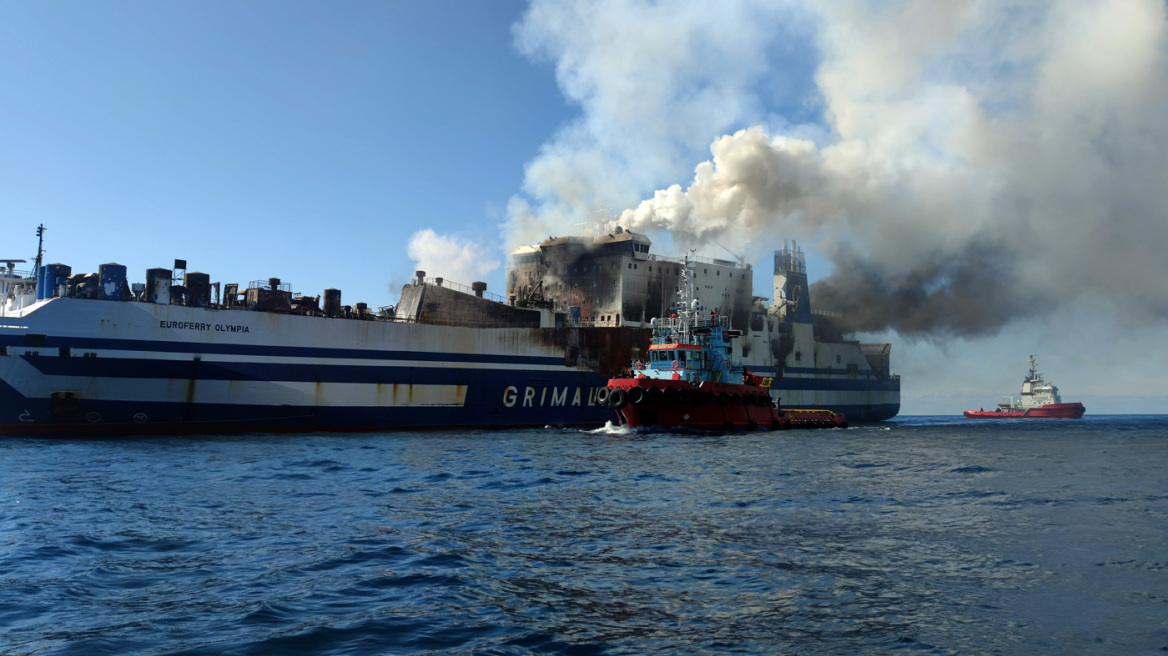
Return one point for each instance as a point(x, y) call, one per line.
point(923, 535)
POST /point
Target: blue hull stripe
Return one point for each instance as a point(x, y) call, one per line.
point(81, 343)
point(263, 371)
point(332, 373)
point(486, 406)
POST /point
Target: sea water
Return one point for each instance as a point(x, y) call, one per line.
point(920, 535)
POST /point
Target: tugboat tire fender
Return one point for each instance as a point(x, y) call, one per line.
point(602, 396)
point(636, 395)
point(655, 394)
point(618, 399)
point(670, 394)
point(685, 395)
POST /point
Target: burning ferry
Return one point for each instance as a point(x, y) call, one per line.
point(93, 354)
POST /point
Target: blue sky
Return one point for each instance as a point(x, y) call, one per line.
point(999, 161)
point(299, 140)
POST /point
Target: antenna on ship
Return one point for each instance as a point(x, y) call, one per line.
point(40, 248)
point(687, 310)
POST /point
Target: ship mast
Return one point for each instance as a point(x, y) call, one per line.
point(687, 311)
point(40, 248)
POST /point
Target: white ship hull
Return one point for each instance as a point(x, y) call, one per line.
point(88, 366)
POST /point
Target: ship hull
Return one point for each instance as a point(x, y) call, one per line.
point(79, 367)
point(648, 402)
point(860, 400)
point(1049, 411)
point(86, 367)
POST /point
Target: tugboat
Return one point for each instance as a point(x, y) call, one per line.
point(692, 381)
point(1039, 401)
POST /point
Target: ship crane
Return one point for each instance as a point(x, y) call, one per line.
point(741, 258)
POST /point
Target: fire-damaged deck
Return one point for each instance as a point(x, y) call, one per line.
point(606, 350)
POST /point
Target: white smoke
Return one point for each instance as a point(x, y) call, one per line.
point(450, 257)
point(655, 81)
point(978, 161)
point(751, 182)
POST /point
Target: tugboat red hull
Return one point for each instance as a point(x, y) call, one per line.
point(1048, 411)
point(645, 402)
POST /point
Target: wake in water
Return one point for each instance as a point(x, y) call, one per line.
point(610, 428)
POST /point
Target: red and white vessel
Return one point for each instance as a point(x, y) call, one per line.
point(691, 379)
point(1039, 400)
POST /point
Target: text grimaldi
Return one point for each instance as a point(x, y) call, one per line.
point(531, 397)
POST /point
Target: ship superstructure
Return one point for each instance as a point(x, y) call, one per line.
point(614, 280)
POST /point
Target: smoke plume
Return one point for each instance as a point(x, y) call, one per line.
point(449, 257)
point(962, 164)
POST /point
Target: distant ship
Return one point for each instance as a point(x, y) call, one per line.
point(1039, 400)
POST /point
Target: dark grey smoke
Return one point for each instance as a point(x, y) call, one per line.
point(972, 294)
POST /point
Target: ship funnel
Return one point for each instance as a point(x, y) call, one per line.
point(158, 285)
point(332, 302)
